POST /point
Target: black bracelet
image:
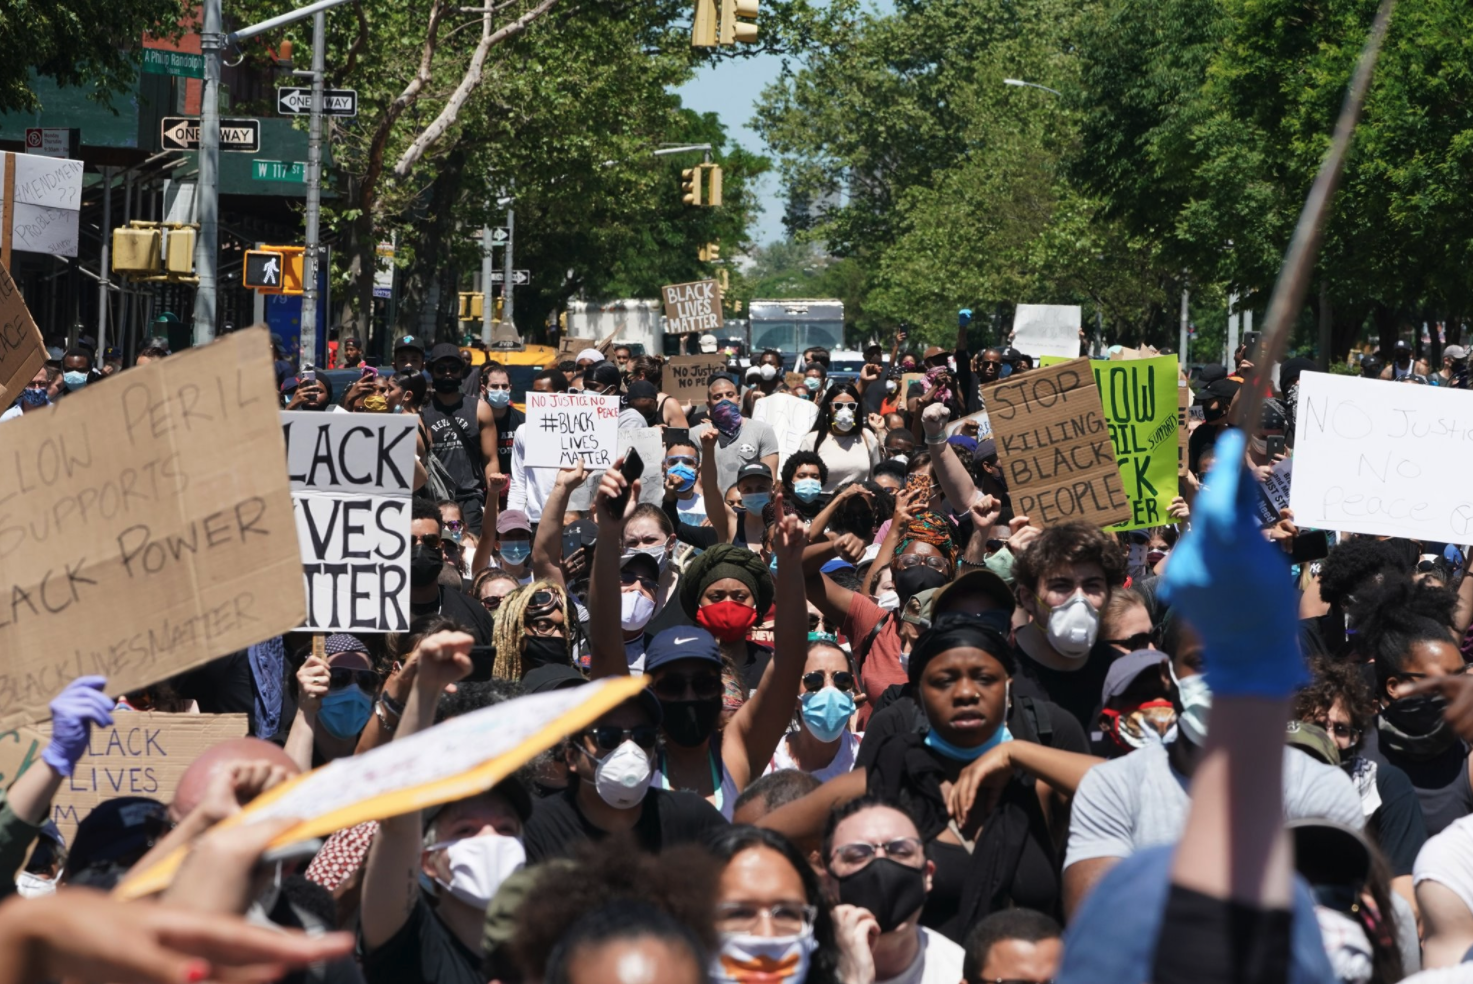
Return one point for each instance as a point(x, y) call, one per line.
point(393, 706)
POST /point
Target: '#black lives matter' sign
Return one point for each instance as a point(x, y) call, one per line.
point(352, 477)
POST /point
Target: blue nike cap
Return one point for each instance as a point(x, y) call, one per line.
point(681, 642)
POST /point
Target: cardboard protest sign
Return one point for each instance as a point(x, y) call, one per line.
point(19, 749)
point(352, 477)
point(650, 442)
point(1183, 409)
point(145, 526)
point(1053, 443)
point(1382, 459)
point(687, 376)
point(1047, 329)
point(692, 307)
point(1139, 400)
point(452, 760)
point(564, 428)
point(908, 382)
point(793, 380)
point(572, 346)
point(22, 349)
point(1274, 492)
point(790, 419)
point(983, 422)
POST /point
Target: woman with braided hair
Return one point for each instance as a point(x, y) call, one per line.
point(534, 627)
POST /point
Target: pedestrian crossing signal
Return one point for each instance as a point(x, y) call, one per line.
point(274, 271)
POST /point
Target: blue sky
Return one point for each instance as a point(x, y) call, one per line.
point(730, 90)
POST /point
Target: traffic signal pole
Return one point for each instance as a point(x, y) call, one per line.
point(312, 254)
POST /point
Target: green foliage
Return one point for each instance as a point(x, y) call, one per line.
point(77, 43)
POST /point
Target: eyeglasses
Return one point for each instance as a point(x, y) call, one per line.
point(607, 737)
point(909, 561)
point(340, 677)
point(431, 540)
point(1141, 640)
point(629, 577)
point(672, 686)
point(904, 850)
point(786, 918)
point(454, 525)
point(1342, 730)
point(813, 682)
point(680, 459)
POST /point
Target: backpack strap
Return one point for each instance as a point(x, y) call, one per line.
point(862, 650)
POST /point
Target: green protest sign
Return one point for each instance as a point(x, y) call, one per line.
point(1139, 400)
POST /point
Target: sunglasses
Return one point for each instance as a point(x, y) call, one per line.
point(817, 623)
point(431, 540)
point(1342, 730)
point(673, 686)
point(340, 678)
point(993, 546)
point(680, 459)
point(1428, 566)
point(1141, 640)
point(454, 525)
point(492, 602)
point(608, 737)
point(813, 682)
point(629, 577)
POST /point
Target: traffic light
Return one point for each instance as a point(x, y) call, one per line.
point(137, 252)
point(690, 185)
point(734, 29)
point(703, 25)
point(472, 306)
point(274, 269)
point(179, 251)
point(713, 184)
point(709, 253)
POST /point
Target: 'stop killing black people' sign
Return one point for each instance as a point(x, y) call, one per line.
point(352, 478)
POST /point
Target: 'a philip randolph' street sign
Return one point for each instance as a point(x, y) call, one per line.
point(160, 62)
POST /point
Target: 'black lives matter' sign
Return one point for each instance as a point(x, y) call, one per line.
point(352, 477)
point(1055, 448)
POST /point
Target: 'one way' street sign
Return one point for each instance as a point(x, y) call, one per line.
point(182, 133)
point(297, 101)
point(519, 278)
point(500, 235)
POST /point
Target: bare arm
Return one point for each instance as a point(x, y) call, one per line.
point(607, 635)
point(1448, 923)
point(313, 680)
point(391, 874)
point(950, 473)
point(1080, 878)
point(907, 501)
point(674, 413)
point(547, 547)
point(828, 597)
point(723, 520)
point(486, 418)
point(1463, 614)
point(805, 817)
point(421, 474)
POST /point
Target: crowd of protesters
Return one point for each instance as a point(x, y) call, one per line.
point(893, 732)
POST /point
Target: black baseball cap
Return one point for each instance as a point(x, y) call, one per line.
point(552, 676)
point(112, 838)
point(446, 351)
point(754, 469)
point(411, 342)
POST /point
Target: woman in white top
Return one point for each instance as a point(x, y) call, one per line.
point(842, 437)
point(822, 744)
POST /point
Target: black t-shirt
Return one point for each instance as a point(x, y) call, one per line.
point(506, 436)
point(1397, 826)
point(221, 686)
point(1077, 692)
point(460, 606)
point(1442, 785)
point(424, 951)
point(666, 819)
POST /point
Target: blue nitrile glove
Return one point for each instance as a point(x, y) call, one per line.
point(74, 712)
point(1230, 583)
point(964, 317)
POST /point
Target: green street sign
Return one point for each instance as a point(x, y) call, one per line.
point(181, 63)
point(294, 171)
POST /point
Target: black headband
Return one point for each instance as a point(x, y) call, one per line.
point(959, 632)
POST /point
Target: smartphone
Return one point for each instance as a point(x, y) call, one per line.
point(1310, 545)
point(679, 435)
point(369, 372)
point(632, 468)
point(918, 481)
point(1276, 445)
point(483, 662)
point(1250, 341)
point(309, 376)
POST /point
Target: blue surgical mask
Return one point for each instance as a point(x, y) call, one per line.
point(516, 551)
point(943, 747)
point(498, 398)
point(686, 474)
point(807, 489)
point(827, 712)
point(755, 502)
point(74, 380)
point(812, 382)
point(344, 712)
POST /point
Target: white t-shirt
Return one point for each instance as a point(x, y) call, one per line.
point(1139, 801)
point(1447, 858)
point(939, 961)
point(843, 759)
point(849, 458)
point(530, 487)
point(692, 511)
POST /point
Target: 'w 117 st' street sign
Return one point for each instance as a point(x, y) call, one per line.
point(182, 133)
point(297, 101)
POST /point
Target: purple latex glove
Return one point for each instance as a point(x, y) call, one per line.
point(74, 712)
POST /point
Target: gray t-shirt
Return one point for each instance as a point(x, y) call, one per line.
point(754, 441)
point(1139, 801)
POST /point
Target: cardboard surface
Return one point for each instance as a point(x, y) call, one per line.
point(1183, 408)
point(1386, 459)
point(1047, 329)
point(692, 307)
point(450, 761)
point(145, 526)
point(790, 418)
point(22, 349)
point(352, 477)
point(906, 379)
point(1139, 401)
point(563, 428)
point(687, 376)
point(1054, 446)
point(572, 346)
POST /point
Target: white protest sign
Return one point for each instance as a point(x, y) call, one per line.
point(789, 417)
point(984, 425)
point(1047, 329)
point(37, 229)
point(47, 182)
point(563, 428)
point(1382, 458)
point(1273, 494)
point(452, 760)
point(650, 443)
point(352, 478)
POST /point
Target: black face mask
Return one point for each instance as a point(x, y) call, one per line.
point(446, 384)
point(1214, 411)
point(543, 651)
point(891, 891)
point(919, 578)
point(690, 722)
point(1415, 727)
point(424, 566)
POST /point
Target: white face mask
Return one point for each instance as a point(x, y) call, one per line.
point(659, 554)
point(891, 386)
point(1073, 626)
point(623, 775)
point(745, 956)
point(637, 610)
point(844, 419)
point(1350, 952)
point(888, 600)
point(478, 866)
point(31, 886)
point(768, 371)
point(1196, 701)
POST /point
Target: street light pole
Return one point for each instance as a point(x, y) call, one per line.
point(206, 247)
point(310, 255)
point(1031, 85)
point(506, 266)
